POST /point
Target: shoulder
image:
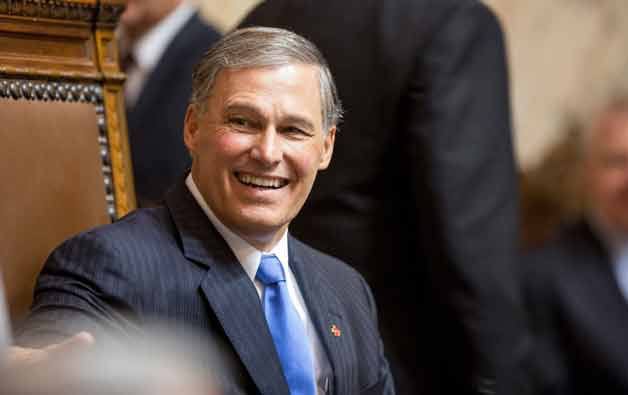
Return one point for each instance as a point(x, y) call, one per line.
point(137, 225)
point(562, 259)
point(329, 264)
point(465, 17)
point(342, 278)
point(143, 229)
point(115, 260)
point(197, 28)
point(572, 241)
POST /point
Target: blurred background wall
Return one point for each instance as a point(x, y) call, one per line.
point(566, 57)
point(226, 14)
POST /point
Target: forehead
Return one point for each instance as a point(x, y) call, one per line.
point(292, 86)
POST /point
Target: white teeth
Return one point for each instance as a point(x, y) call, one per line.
point(260, 181)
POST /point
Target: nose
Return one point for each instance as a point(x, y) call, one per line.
point(267, 148)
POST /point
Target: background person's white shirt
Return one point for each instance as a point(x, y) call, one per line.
point(617, 248)
point(5, 325)
point(620, 266)
point(250, 258)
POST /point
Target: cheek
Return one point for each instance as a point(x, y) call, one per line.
point(304, 158)
point(611, 184)
point(228, 145)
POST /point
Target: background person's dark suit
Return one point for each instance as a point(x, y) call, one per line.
point(579, 316)
point(422, 195)
point(171, 263)
point(157, 151)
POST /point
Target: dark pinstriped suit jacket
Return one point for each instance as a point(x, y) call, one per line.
point(171, 263)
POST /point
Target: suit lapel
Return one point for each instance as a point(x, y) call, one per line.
point(325, 311)
point(593, 300)
point(229, 292)
point(595, 270)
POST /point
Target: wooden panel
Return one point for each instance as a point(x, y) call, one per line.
point(69, 50)
point(55, 49)
point(63, 142)
point(52, 186)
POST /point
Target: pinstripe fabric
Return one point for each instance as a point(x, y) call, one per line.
point(171, 263)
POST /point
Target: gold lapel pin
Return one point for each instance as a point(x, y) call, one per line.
point(335, 330)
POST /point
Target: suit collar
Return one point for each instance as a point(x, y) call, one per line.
point(589, 277)
point(200, 241)
point(583, 236)
point(229, 291)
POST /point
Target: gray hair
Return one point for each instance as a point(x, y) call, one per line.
point(264, 47)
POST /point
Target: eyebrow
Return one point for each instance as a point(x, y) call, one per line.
point(300, 121)
point(240, 107)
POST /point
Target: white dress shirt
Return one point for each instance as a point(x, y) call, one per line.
point(250, 258)
point(148, 50)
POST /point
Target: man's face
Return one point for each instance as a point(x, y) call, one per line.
point(606, 170)
point(258, 146)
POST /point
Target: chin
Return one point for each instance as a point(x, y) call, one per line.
point(261, 224)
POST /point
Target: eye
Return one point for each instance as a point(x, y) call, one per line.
point(239, 121)
point(616, 161)
point(296, 132)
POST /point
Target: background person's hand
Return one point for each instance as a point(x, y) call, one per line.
point(26, 356)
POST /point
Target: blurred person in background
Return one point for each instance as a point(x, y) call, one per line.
point(160, 361)
point(576, 285)
point(218, 256)
point(160, 42)
point(423, 199)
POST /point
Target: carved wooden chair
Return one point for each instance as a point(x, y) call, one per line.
point(64, 156)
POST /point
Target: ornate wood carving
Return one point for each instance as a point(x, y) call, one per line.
point(73, 92)
point(65, 50)
point(86, 11)
point(119, 150)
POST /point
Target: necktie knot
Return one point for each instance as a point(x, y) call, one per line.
point(270, 270)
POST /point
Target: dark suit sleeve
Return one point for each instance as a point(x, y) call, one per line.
point(460, 129)
point(385, 384)
point(76, 291)
point(265, 11)
point(548, 363)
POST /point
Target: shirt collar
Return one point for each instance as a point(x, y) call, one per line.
point(247, 255)
point(151, 46)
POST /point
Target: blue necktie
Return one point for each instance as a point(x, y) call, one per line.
point(287, 329)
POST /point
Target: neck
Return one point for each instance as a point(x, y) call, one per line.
point(265, 242)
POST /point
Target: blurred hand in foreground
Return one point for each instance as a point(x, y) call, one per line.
point(28, 356)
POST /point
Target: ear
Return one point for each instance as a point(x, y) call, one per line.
point(328, 148)
point(190, 128)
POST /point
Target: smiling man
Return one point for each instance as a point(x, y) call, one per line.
point(218, 256)
point(258, 141)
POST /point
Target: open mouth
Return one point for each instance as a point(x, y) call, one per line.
point(261, 182)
